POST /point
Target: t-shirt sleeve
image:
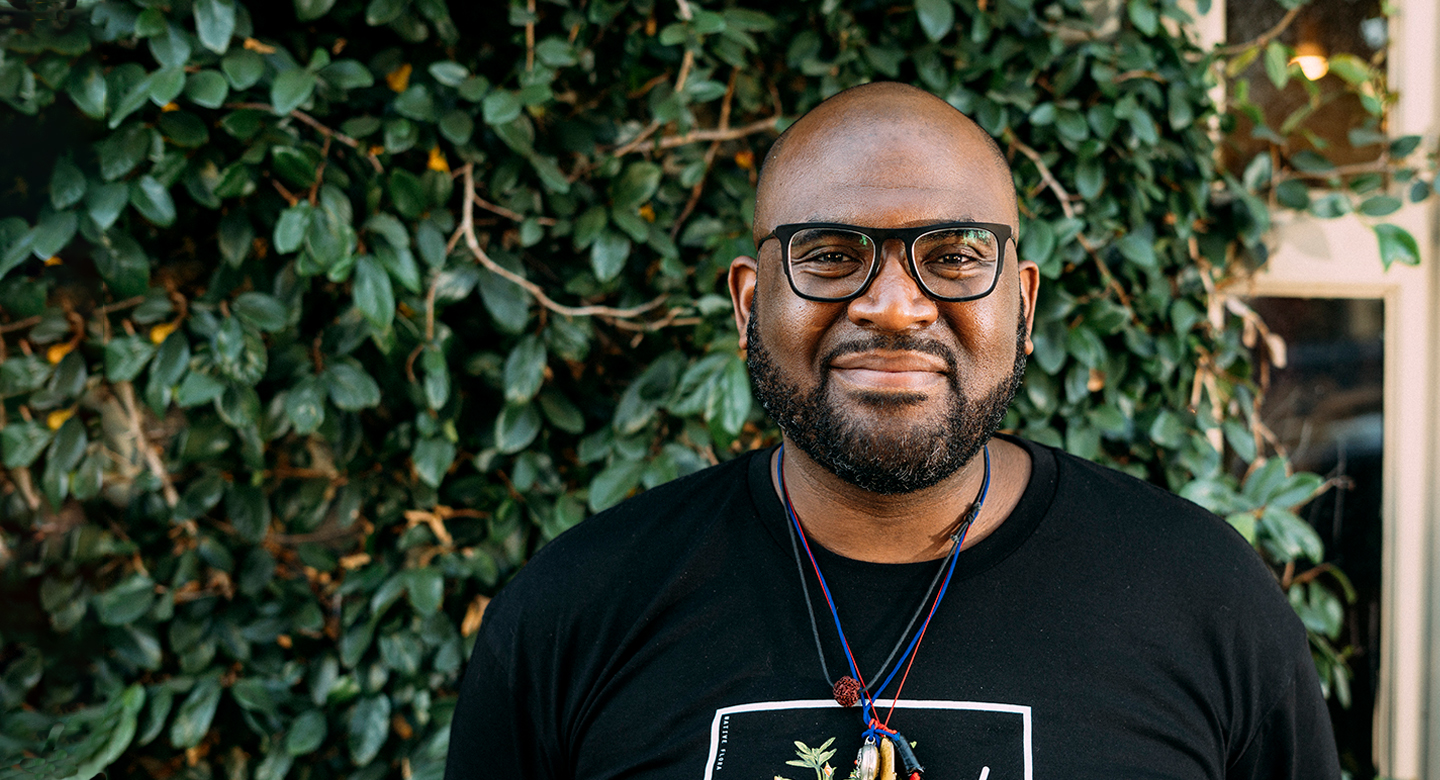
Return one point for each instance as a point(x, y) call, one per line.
point(1294, 740)
point(495, 732)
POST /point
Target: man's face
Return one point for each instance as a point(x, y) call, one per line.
point(891, 391)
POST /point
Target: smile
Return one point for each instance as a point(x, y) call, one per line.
point(883, 371)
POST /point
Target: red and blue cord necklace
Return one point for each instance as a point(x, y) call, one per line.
point(881, 744)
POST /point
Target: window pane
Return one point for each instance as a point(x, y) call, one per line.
point(1325, 406)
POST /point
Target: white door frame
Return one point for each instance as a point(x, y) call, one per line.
point(1339, 258)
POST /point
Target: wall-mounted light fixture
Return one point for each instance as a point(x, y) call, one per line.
point(1309, 54)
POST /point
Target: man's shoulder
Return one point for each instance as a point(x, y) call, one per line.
point(1106, 488)
point(1135, 518)
point(1134, 528)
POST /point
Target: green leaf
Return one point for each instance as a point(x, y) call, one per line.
point(200, 497)
point(236, 237)
point(1297, 490)
point(456, 126)
point(732, 397)
point(290, 228)
point(416, 103)
point(243, 68)
point(937, 17)
point(516, 426)
point(22, 443)
point(68, 446)
point(1404, 145)
point(88, 479)
point(374, 296)
point(644, 397)
point(291, 89)
point(525, 369)
point(67, 184)
point(1089, 178)
point(307, 732)
point(123, 265)
point(125, 357)
point(192, 721)
point(1397, 245)
point(197, 388)
point(248, 511)
point(407, 193)
point(262, 311)
point(1289, 538)
point(1352, 69)
point(1293, 194)
point(1168, 430)
point(1244, 522)
point(614, 483)
point(350, 387)
point(1138, 249)
point(1257, 173)
point(215, 23)
point(306, 11)
point(608, 254)
point(153, 201)
point(122, 151)
point(368, 725)
point(1277, 64)
point(88, 89)
point(1380, 206)
point(500, 108)
point(437, 377)
point(184, 129)
point(1144, 16)
point(23, 374)
point(380, 12)
point(55, 230)
point(347, 74)
point(432, 458)
point(305, 405)
point(253, 694)
point(448, 72)
point(561, 412)
point(635, 186)
point(426, 589)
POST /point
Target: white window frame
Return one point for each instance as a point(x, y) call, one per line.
point(1339, 258)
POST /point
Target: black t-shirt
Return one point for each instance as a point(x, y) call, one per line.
point(1107, 629)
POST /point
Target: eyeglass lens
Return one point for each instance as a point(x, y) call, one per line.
point(952, 262)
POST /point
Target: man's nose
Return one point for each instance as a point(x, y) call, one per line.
point(894, 301)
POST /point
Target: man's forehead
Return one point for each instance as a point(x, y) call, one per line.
point(885, 192)
point(890, 145)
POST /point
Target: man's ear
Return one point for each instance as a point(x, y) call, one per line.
point(742, 293)
point(1029, 293)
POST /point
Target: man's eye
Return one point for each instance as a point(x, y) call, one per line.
point(832, 262)
point(954, 264)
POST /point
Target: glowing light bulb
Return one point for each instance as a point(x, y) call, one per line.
point(1312, 61)
point(1314, 66)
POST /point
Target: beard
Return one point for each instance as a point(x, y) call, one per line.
point(845, 441)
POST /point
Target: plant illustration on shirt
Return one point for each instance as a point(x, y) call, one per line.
point(817, 759)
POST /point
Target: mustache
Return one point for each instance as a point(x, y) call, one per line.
point(894, 343)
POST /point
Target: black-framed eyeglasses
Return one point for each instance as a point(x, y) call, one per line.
point(833, 262)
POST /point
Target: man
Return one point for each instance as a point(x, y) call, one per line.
point(897, 587)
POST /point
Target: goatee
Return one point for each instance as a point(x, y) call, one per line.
point(840, 439)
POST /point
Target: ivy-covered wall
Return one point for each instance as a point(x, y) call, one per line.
point(318, 318)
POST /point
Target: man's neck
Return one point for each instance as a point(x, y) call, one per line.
point(908, 527)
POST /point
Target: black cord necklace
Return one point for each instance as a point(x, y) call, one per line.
point(883, 747)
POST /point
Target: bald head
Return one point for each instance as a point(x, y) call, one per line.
point(886, 134)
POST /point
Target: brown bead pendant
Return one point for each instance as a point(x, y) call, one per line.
point(847, 691)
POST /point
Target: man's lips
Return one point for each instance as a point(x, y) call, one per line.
point(887, 370)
